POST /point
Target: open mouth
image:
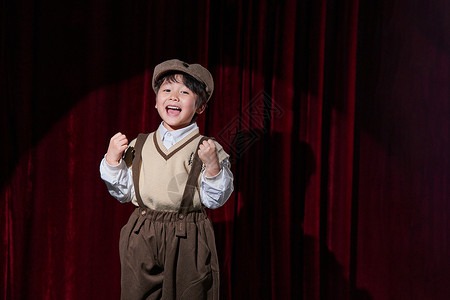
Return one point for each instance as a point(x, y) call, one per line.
point(173, 110)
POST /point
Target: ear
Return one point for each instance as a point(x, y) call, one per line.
point(201, 109)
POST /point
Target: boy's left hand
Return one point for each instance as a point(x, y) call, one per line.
point(208, 154)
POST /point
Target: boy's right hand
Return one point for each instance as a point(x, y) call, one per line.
point(117, 145)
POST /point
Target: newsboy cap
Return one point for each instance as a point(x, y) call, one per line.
point(195, 70)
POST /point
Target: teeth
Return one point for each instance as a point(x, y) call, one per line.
point(173, 107)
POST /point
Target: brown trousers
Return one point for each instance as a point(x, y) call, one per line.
point(157, 264)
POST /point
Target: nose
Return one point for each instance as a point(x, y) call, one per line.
point(174, 97)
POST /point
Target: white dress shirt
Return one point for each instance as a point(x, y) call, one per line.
point(214, 191)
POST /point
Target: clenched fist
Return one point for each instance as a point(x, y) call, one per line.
point(117, 145)
point(208, 154)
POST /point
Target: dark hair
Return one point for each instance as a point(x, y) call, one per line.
point(193, 84)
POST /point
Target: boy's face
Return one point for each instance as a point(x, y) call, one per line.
point(175, 103)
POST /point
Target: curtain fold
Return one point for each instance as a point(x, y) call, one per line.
point(335, 114)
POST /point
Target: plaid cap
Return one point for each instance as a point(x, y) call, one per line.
point(195, 70)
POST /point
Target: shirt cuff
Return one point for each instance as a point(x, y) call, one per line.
point(120, 165)
point(213, 181)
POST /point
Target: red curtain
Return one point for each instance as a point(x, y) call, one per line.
point(336, 114)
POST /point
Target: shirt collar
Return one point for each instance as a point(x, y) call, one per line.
point(178, 134)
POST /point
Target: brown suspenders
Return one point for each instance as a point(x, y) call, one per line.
point(137, 167)
point(189, 190)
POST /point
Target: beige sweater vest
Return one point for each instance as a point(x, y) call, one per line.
point(164, 172)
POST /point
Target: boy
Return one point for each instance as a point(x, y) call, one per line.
point(167, 248)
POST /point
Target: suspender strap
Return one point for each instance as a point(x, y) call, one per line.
point(189, 191)
point(137, 167)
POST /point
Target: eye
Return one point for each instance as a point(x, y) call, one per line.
point(185, 92)
point(166, 90)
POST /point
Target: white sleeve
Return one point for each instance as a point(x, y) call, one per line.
point(215, 191)
point(118, 179)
